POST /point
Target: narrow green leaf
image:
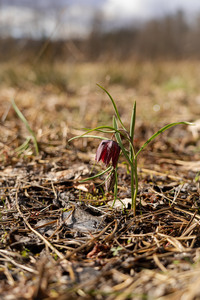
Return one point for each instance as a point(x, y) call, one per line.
point(99, 130)
point(24, 146)
point(87, 136)
point(132, 130)
point(114, 105)
point(23, 119)
point(21, 116)
point(159, 132)
point(97, 175)
point(96, 129)
point(132, 124)
point(118, 138)
point(105, 131)
point(115, 125)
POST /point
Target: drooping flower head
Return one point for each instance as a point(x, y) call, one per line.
point(108, 150)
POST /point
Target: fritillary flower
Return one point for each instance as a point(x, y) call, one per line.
point(108, 150)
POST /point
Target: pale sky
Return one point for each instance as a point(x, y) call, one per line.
point(145, 9)
point(148, 8)
point(76, 16)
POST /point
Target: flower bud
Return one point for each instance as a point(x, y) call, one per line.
point(110, 181)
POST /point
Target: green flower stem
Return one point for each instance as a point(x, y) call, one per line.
point(115, 188)
point(135, 188)
point(133, 205)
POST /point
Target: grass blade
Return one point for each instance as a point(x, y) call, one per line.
point(132, 124)
point(159, 132)
point(87, 136)
point(97, 175)
point(114, 105)
point(23, 119)
point(95, 129)
point(24, 146)
point(132, 130)
point(118, 138)
point(99, 130)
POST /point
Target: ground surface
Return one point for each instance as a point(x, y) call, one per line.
point(61, 239)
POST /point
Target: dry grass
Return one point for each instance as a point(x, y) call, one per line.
point(61, 239)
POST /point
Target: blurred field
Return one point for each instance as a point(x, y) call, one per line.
point(164, 90)
point(57, 98)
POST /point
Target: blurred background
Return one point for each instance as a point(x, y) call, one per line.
point(102, 29)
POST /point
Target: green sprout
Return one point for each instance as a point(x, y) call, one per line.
point(25, 145)
point(115, 250)
point(108, 149)
point(197, 177)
